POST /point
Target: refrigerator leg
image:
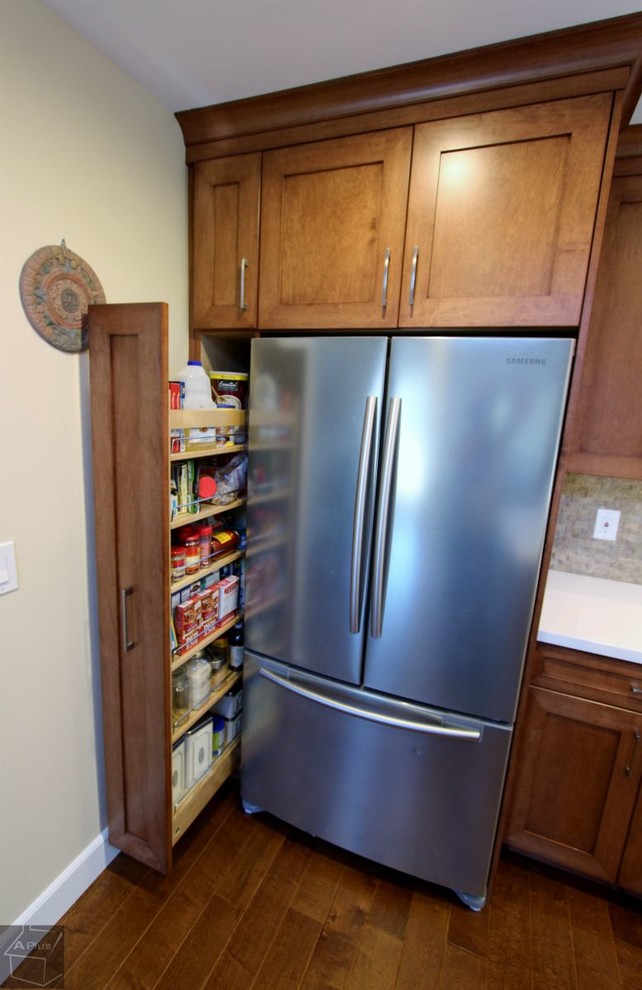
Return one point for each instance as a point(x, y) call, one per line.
point(249, 808)
point(473, 901)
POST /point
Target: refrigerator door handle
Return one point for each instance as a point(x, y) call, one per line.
point(391, 439)
point(437, 729)
point(363, 474)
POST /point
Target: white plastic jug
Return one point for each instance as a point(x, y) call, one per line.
point(198, 395)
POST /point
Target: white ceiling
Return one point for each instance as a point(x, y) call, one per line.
point(193, 53)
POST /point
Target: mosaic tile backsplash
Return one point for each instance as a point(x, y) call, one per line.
point(574, 548)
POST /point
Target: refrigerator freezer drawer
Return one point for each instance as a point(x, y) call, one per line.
point(409, 787)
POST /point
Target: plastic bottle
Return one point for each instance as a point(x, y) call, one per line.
point(198, 395)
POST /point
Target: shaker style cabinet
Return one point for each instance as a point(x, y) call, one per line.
point(483, 220)
point(225, 242)
point(607, 437)
point(576, 799)
point(332, 231)
point(131, 441)
point(501, 214)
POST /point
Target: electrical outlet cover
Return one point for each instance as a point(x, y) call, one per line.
point(606, 524)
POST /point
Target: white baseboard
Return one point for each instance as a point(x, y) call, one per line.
point(52, 903)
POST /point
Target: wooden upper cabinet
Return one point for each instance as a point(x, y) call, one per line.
point(225, 249)
point(332, 231)
point(501, 214)
point(607, 439)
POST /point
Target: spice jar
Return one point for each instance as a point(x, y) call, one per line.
point(180, 698)
point(192, 555)
point(205, 542)
point(178, 563)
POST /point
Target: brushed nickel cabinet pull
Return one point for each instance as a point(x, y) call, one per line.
point(635, 689)
point(128, 644)
point(384, 284)
point(242, 302)
point(413, 275)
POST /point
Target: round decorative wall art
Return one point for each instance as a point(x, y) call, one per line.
point(56, 289)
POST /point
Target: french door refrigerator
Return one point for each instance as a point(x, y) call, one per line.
point(397, 503)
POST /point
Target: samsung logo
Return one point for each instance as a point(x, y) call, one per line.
point(525, 360)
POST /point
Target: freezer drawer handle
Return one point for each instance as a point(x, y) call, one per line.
point(453, 731)
point(356, 560)
point(383, 514)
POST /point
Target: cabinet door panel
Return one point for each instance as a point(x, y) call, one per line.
point(576, 788)
point(330, 212)
point(609, 439)
point(225, 247)
point(630, 875)
point(501, 214)
point(128, 366)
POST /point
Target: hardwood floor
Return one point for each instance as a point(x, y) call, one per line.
point(255, 905)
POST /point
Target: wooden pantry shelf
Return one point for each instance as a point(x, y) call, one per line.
point(232, 678)
point(197, 797)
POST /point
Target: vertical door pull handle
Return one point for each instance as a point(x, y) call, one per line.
point(413, 275)
point(242, 302)
point(384, 510)
point(636, 743)
point(361, 492)
point(128, 644)
point(384, 284)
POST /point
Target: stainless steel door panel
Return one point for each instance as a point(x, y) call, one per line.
point(312, 402)
point(479, 426)
point(423, 803)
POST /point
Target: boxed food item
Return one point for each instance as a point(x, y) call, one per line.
point(187, 621)
point(229, 389)
point(198, 751)
point(228, 590)
point(209, 600)
point(178, 771)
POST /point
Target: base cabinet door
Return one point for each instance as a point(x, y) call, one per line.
point(579, 776)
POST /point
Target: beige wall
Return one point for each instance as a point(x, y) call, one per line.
point(88, 156)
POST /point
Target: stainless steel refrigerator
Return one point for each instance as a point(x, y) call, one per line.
point(398, 497)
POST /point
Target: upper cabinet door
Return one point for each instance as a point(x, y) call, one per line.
point(501, 214)
point(225, 250)
point(332, 232)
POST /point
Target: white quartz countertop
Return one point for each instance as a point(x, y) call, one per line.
point(593, 614)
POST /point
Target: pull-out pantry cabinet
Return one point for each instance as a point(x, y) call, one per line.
point(131, 424)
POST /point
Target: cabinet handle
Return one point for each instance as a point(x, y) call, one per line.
point(413, 275)
point(128, 644)
point(634, 753)
point(242, 302)
point(635, 689)
point(384, 284)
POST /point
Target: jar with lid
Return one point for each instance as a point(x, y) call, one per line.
point(180, 698)
point(198, 677)
point(205, 543)
point(192, 555)
point(178, 562)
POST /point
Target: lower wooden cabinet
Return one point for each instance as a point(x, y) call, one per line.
point(576, 800)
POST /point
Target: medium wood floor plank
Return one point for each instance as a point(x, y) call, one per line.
point(553, 965)
point(463, 970)
point(509, 927)
point(391, 905)
point(251, 940)
point(286, 962)
point(318, 885)
point(153, 953)
point(331, 962)
point(630, 966)
point(424, 944)
point(377, 961)
point(352, 902)
point(202, 948)
point(594, 950)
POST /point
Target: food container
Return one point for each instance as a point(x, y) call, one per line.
point(180, 698)
point(198, 751)
point(178, 771)
point(198, 677)
point(229, 389)
point(218, 669)
point(218, 735)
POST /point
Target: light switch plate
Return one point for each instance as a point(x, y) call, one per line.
point(8, 571)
